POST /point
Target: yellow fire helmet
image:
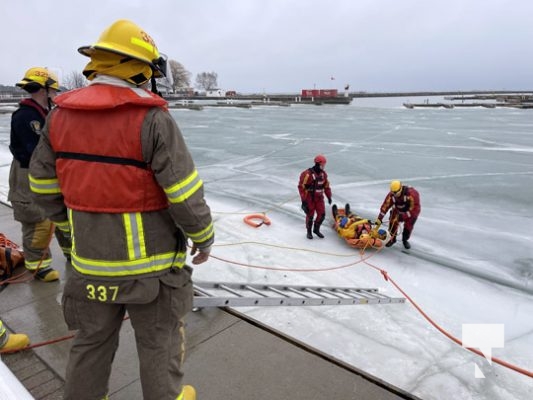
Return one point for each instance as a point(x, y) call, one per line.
point(38, 77)
point(127, 39)
point(395, 186)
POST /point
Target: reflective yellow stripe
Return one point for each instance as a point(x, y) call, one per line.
point(154, 263)
point(2, 328)
point(181, 191)
point(72, 235)
point(140, 234)
point(129, 238)
point(133, 225)
point(32, 265)
point(63, 226)
point(145, 45)
point(203, 235)
point(44, 186)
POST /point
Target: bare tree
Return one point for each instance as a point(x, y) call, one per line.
point(74, 80)
point(207, 80)
point(181, 77)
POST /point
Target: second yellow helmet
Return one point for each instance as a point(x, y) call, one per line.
point(395, 186)
point(38, 77)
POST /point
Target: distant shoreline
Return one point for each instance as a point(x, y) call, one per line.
point(351, 95)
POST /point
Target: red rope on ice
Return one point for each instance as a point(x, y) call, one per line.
point(387, 277)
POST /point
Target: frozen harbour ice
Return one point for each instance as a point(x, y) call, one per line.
point(474, 171)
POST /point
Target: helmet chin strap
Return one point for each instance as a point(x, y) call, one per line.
point(48, 99)
point(154, 86)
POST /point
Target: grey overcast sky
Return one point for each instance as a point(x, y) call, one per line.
point(288, 45)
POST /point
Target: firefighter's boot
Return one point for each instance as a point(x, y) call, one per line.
point(187, 393)
point(391, 242)
point(47, 275)
point(405, 239)
point(16, 341)
point(309, 227)
point(316, 230)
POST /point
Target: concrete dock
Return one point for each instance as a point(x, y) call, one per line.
point(229, 356)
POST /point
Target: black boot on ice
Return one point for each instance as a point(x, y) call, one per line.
point(391, 242)
point(309, 225)
point(316, 231)
point(405, 238)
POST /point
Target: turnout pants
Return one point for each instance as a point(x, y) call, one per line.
point(36, 228)
point(158, 325)
point(408, 226)
point(35, 240)
point(315, 205)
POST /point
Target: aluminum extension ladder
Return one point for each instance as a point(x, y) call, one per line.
point(212, 294)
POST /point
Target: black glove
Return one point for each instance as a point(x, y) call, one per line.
point(305, 207)
point(329, 200)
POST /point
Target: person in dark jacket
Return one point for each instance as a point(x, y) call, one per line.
point(26, 125)
point(313, 185)
point(404, 203)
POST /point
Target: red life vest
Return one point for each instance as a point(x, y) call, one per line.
point(96, 135)
point(316, 183)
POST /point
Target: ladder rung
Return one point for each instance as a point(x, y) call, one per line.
point(338, 293)
point(316, 292)
point(277, 291)
point(252, 289)
point(300, 292)
point(227, 289)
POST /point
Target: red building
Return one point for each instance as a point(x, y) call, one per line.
point(319, 93)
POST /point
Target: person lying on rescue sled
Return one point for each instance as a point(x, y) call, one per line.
point(404, 203)
point(357, 231)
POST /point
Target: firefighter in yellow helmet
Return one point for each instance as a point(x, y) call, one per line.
point(26, 125)
point(133, 197)
point(404, 203)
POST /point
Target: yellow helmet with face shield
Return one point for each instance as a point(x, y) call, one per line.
point(128, 40)
point(38, 77)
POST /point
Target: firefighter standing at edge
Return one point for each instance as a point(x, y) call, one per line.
point(313, 185)
point(112, 158)
point(26, 126)
point(405, 203)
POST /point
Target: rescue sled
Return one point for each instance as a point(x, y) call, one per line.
point(358, 232)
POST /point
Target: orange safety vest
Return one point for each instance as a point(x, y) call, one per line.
point(96, 135)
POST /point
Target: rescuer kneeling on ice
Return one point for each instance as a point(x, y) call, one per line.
point(313, 186)
point(404, 203)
